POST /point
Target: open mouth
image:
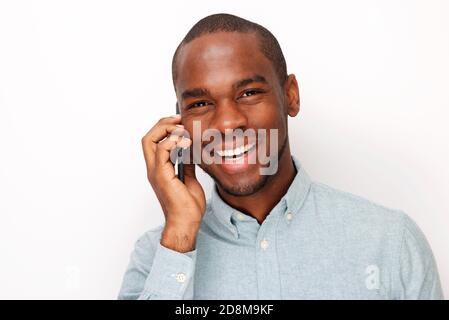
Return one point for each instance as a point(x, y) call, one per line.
point(236, 153)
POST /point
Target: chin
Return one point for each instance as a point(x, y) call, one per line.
point(242, 187)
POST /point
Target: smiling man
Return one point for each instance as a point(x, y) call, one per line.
point(260, 236)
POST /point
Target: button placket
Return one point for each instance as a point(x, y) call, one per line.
point(266, 259)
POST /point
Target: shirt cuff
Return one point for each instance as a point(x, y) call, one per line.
point(170, 275)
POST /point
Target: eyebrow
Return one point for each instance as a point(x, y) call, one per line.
point(201, 92)
point(194, 93)
point(245, 82)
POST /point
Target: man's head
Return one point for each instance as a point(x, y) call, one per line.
point(230, 73)
point(222, 22)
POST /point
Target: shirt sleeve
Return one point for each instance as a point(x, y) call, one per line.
point(158, 273)
point(418, 274)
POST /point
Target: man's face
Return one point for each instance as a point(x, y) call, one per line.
point(225, 82)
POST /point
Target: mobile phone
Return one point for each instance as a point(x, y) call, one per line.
point(180, 165)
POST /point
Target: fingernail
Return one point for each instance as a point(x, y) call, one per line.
point(180, 125)
point(176, 116)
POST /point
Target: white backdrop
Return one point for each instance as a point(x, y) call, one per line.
point(82, 81)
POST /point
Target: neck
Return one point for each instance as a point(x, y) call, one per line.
point(258, 205)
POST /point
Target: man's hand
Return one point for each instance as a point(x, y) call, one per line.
point(183, 204)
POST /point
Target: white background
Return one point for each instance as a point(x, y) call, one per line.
point(82, 81)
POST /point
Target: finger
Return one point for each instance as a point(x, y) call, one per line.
point(160, 130)
point(156, 134)
point(165, 147)
point(174, 119)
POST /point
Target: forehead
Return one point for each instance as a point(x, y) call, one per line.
point(218, 60)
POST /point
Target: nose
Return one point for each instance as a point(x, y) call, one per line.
point(228, 115)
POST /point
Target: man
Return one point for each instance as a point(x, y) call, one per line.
point(260, 236)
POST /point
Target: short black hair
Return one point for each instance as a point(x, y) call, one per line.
point(223, 22)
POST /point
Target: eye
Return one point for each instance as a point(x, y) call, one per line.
point(198, 104)
point(249, 93)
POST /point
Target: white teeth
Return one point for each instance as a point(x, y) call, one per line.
point(235, 152)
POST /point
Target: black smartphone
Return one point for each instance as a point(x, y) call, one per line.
point(180, 165)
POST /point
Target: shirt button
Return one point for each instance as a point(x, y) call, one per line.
point(264, 244)
point(289, 216)
point(181, 277)
point(240, 216)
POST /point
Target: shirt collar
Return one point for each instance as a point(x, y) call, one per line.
point(294, 199)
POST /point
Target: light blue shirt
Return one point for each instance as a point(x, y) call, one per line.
point(316, 243)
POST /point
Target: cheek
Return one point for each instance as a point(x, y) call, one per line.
point(266, 116)
point(270, 117)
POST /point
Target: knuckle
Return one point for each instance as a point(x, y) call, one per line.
point(163, 119)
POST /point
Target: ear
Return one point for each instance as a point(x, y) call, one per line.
point(292, 95)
